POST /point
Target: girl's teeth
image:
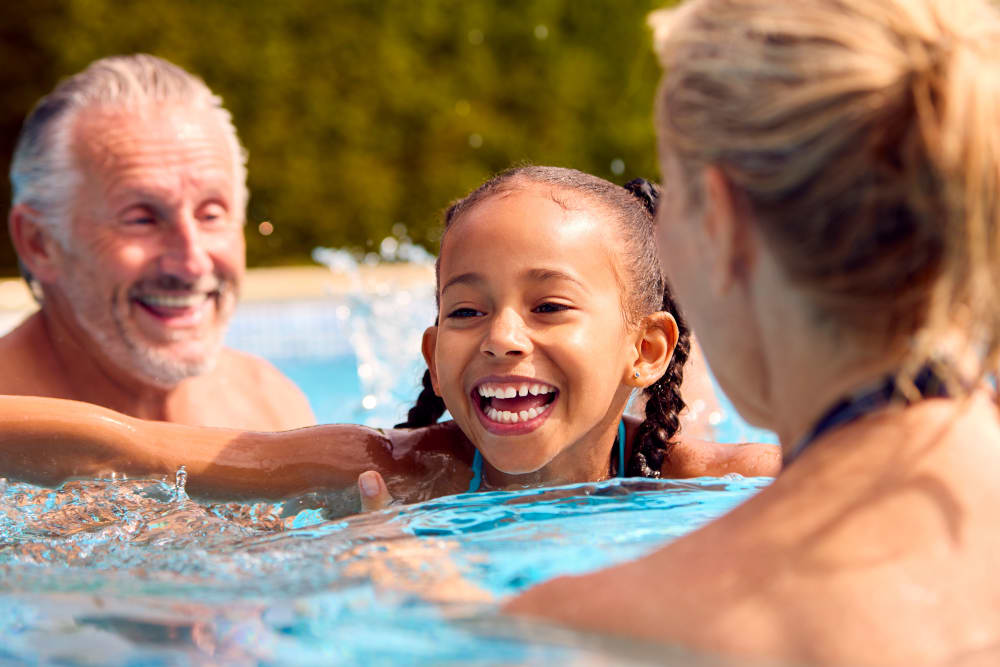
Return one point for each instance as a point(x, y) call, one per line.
point(494, 391)
point(506, 417)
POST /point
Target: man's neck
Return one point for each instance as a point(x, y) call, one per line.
point(90, 377)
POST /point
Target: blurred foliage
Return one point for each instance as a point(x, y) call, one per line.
point(359, 114)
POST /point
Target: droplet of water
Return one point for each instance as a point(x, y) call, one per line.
point(618, 166)
point(180, 482)
point(541, 31)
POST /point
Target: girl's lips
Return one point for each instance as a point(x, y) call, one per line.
point(516, 415)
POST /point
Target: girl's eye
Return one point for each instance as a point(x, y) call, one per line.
point(549, 307)
point(463, 313)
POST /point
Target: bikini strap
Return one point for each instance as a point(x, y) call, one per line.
point(868, 400)
point(620, 446)
point(477, 472)
point(477, 460)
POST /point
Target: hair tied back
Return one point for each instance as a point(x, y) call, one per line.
point(646, 192)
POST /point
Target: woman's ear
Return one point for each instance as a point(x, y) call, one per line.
point(36, 248)
point(428, 346)
point(654, 348)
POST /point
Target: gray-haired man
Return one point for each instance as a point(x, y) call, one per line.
point(128, 207)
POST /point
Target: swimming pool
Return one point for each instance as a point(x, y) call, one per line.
point(132, 572)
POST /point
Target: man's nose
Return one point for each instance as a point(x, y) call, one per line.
point(186, 251)
point(506, 336)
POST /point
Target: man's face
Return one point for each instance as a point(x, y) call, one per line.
point(156, 254)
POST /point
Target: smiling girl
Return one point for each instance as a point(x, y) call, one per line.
point(553, 311)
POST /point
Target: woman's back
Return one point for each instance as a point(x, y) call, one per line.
point(885, 540)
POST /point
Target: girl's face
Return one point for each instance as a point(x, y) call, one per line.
point(531, 353)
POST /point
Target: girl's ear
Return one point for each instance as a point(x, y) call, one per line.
point(35, 247)
point(654, 349)
point(429, 348)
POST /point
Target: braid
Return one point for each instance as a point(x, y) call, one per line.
point(663, 406)
point(428, 408)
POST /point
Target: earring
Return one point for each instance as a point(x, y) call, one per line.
point(636, 375)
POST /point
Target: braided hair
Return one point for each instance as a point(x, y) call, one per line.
point(633, 207)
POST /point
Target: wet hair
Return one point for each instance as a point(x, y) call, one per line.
point(863, 137)
point(633, 208)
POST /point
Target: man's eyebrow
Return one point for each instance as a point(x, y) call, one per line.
point(463, 279)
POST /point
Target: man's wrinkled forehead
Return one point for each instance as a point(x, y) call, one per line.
point(103, 134)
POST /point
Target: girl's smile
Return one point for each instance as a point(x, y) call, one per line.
point(513, 405)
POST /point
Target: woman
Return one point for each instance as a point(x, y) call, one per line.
point(833, 237)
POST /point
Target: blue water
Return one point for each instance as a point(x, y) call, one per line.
point(132, 572)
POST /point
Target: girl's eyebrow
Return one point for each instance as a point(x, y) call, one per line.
point(552, 274)
point(463, 279)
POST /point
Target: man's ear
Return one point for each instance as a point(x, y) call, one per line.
point(428, 346)
point(36, 248)
point(654, 349)
point(727, 221)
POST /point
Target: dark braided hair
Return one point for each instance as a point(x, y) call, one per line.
point(634, 208)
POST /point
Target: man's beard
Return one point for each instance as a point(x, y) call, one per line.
point(109, 326)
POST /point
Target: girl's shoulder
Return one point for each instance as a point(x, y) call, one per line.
point(694, 457)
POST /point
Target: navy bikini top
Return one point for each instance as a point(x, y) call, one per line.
point(868, 400)
point(477, 460)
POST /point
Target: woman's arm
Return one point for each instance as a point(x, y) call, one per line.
point(46, 441)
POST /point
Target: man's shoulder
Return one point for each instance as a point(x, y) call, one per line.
point(28, 362)
point(265, 387)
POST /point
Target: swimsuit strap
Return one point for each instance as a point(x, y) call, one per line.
point(477, 460)
point(868, 400)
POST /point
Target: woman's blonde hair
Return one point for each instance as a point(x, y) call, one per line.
point(865, 135)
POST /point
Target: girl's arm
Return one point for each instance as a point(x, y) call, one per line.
point(47, 440)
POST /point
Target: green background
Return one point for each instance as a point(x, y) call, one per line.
point(359, 114)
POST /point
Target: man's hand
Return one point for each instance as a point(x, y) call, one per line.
point(374, 493)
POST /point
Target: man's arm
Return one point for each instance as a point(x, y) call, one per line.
point(46, 441)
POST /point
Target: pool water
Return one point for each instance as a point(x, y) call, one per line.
point(131, 571)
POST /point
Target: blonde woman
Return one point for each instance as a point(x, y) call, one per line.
point(831, 229)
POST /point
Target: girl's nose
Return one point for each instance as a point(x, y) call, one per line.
point(507, 336)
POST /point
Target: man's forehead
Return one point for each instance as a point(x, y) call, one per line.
point(114, 133)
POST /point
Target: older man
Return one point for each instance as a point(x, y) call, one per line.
point(128, 207)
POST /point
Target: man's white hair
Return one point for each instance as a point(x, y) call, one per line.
point(43, 173)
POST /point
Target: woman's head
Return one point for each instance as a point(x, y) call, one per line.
point(861, 137)
point(550, 276)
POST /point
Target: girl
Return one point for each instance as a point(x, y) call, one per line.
point(836, 190)
point(552, 311)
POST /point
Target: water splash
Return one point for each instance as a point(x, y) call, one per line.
point(385, 315)
point(180, 484)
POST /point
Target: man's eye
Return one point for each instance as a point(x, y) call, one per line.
point(463, 313)
point(141, 220)
point(549, 307)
